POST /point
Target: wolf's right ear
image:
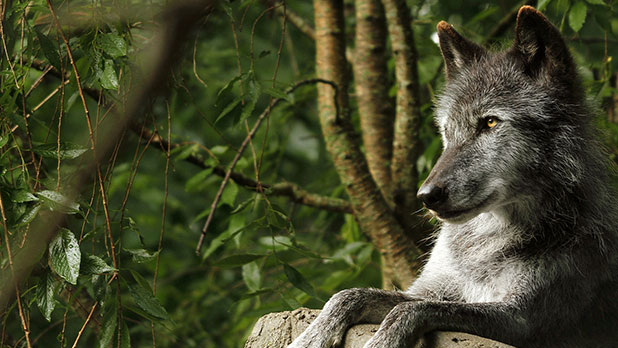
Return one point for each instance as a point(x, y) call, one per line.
point(456, 50)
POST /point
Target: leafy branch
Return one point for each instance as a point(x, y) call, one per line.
point(286, 189)
point(274, 102)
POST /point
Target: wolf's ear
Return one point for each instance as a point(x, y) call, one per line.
point(456, 50)
point(540, 46)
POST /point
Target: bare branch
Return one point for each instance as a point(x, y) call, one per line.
point(285, 189)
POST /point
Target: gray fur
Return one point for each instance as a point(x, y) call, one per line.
point(527, 253)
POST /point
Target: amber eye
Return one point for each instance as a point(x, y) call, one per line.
point(491, 122)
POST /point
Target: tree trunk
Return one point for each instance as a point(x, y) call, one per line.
point(374, 216)
point(406, 143)
point(371, 85)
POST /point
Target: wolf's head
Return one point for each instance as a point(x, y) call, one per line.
point(511, 122)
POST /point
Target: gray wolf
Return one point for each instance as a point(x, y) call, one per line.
point(527, 252)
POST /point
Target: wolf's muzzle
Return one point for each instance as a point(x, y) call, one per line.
point(432, 195)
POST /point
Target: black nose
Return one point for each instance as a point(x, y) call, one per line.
point(432, 195)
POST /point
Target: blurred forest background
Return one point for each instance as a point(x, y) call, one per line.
point(172, 170)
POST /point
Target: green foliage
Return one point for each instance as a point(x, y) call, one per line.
point(577, 15)
point(262, 252)
point(65, 256)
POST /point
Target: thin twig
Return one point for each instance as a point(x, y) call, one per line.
point(97, 164)
point(243, 146)
point(258, 165)
point(6, 52)
point(197, 35)
point(137, 159)
point(294, 18)
point(506, 22)
point(81, 331)
point(14, 279)
point(90, 134)
point(164, 212)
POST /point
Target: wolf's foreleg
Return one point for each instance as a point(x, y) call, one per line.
point(407, 322)
point(344, 309)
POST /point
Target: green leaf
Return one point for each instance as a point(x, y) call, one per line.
point(257, 293)
point(196, 181)
point(219, 150)
point(227, 9)
point(16, 119)
point(252, 94)
point(28, 216)
point(45, 291)
point(276, 218)
point(93, 264)
point(228, 86)
point(350, 230)
point(131, 225)
point(125, 336)
point(109, 326)
point(235, 227)
point(145, 300)
point(141, 255)
point(243, 205)
point(140, 280)
point(284, 243)
point(297, 279)
point(596, 2)
point(238, 260)
point(100, 287)
point(65, 256)
point(364, 256)
point(183, 152)
point(345, 254)
point(229, 108)
point(542, 4)
point(251, 276)
point(108, 77)
point(229, 194)
point(57, 201)
point(50, 49)
point(112, 44)
point(275, 92)
point(4, 139)
point(23, 196)
point(67, 150)
point(577, 15)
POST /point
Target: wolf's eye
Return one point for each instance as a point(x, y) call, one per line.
point(491, 122)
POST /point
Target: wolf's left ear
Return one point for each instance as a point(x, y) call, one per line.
point(456, 50)
point(540, 46)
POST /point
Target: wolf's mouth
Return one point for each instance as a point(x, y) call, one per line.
point(469, 213)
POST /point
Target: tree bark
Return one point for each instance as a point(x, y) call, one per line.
point(406, 143)
point(371, 85)
point(371, 210)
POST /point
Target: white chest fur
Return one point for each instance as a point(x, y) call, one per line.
point(471, 266)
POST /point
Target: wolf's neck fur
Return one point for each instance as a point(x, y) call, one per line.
point(582, 214)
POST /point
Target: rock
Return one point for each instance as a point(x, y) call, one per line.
point(277, 330)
